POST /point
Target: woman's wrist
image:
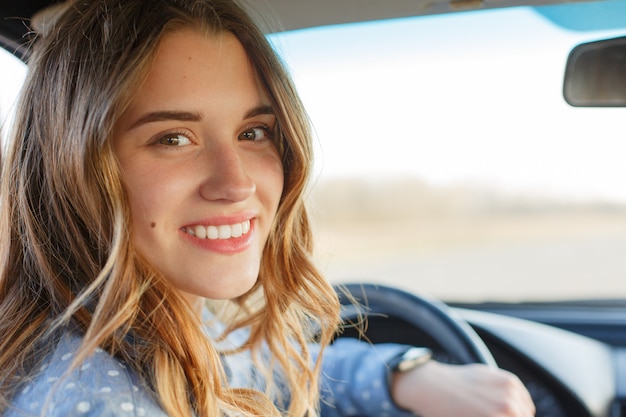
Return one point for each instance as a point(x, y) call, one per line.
point(405, 372)
point(421, 389)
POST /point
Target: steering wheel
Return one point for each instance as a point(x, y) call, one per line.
point(396, 316)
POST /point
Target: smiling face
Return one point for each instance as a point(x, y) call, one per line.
point(199, 163)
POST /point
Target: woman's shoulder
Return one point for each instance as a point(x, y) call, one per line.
point(100, 386)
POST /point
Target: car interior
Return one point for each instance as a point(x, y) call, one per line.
point(568, 346)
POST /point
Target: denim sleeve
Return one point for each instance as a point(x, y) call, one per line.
point(354, 380)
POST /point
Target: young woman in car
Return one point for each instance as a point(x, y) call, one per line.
point(158, 160)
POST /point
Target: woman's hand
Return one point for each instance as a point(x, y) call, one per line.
point(439, 390)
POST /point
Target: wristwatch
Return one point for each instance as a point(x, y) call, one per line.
point(410, 359)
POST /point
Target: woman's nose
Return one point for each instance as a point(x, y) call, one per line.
point(226, 175)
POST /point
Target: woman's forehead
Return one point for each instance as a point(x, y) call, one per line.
point(198, 74)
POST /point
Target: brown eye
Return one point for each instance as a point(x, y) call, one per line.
point(174, 139)
point(254, 134)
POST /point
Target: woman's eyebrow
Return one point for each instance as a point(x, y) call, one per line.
point(262, 109)
point(159, 116)
point(185, 116)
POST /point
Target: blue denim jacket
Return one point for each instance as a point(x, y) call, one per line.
point(354, 383)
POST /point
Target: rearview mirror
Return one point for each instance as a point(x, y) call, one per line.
point(595, 75)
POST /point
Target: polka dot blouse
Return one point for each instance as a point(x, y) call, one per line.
point(354, 383)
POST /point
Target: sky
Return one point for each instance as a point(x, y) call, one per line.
point(445, 100)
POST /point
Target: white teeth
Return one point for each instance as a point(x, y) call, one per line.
point(237, 230)
point(225, 231)
point(200, 232)
point(213, 232)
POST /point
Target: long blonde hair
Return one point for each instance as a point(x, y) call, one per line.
point(67, 261)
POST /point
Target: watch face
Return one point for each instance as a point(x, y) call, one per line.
point(413, 358)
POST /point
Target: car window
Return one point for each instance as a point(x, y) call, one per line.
point(12, 73)
point(449, 162)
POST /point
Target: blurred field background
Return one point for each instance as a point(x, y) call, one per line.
point(467, 243)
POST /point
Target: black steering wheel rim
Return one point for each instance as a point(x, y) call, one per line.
point(383, 306)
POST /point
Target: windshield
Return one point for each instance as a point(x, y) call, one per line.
point(449, 163)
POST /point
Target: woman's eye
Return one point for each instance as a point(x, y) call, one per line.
point(255, 133)
point(174, 139)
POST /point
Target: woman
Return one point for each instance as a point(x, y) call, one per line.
point(99, 255)
point(158, 160)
